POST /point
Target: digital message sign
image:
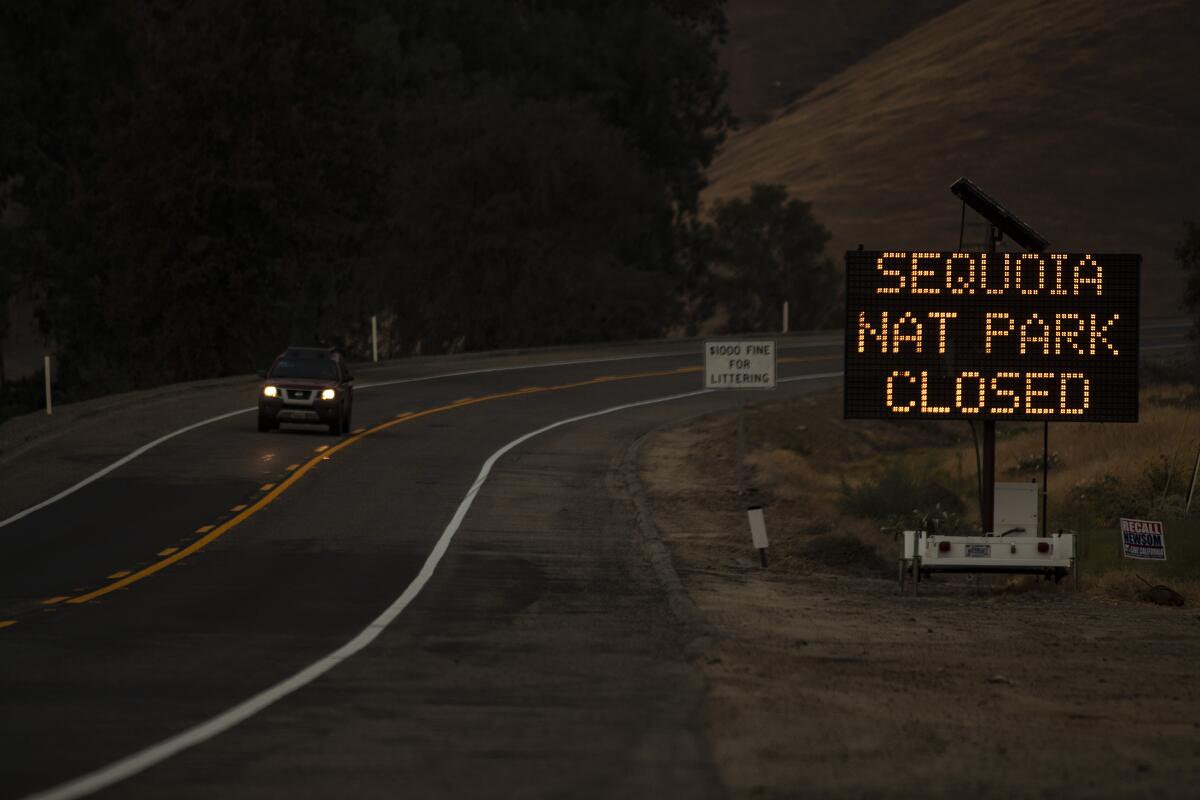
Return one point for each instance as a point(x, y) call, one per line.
point(1016, 336)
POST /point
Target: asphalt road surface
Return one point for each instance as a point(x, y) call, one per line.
point(525, 646)
point(452, 601)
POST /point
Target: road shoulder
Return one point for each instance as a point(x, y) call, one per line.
point(836, 686)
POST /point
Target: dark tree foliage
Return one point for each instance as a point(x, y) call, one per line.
point(1187, 253)
point(188, 187)
point(766, 249)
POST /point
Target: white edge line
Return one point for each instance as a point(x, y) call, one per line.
point(95, 476)
point(150, 445)
point(155, 754)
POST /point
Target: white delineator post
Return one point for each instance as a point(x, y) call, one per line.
point(374, 338)
point(758, 532)
point(785, 316)
point(49, 402)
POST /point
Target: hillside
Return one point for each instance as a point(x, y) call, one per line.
point(1079, 115)
point(778, 50)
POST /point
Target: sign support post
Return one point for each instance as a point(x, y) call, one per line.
point(987, 500)
point(49, 399)
point(740, 365)
point(741, 445)
point(374, 339)
point(1045, 477)
point(1192, 489)
point(987, 503)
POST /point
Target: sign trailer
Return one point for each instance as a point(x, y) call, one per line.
point(1033, 336)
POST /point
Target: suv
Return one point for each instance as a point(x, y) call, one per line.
point(307, 385)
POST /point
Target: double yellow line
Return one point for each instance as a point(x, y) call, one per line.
point(274, 494)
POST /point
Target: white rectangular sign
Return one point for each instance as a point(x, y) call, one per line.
point(758, 528)
point(1143, 539)
point(739, 365)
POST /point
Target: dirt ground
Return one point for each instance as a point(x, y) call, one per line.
point(827, 683)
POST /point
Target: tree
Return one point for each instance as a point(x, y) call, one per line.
point(521, 222)
point(208, 202)
point(545, 166)
point(205, 182)
point(1187, 253)
point(763, 250)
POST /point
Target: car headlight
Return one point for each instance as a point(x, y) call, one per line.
point(328, 394)
point(270, 391)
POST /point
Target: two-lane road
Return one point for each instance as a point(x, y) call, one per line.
point(152, 608)
point(451, 601)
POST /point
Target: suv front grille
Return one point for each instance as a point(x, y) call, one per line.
point(298, 394)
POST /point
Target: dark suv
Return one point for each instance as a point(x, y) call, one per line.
point(309, 385)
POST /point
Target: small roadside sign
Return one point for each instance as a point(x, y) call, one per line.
point(758, 532)
point(1143, 539)
point(739, 365)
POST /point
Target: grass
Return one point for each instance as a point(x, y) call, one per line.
point(1104, 571)
point(903, 497)
point(831, 478)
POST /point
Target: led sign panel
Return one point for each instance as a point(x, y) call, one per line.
point(1006, 336)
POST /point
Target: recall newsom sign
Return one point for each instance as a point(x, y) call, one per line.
point(1029, 336)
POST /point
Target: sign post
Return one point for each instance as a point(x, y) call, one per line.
point(46, 370)
point(747, 364)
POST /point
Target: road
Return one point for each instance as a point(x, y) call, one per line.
point(452, 601)
point(538, 656)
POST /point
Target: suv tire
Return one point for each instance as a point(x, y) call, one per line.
point(335, 426)
point(265, 423)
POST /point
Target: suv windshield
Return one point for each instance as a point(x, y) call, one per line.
point(317, 368)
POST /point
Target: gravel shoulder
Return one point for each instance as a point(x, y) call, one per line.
point(834, 685)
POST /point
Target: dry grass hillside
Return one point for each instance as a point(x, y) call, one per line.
point(780, 49)
point(1080, 115)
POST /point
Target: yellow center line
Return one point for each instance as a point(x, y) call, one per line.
point(324, 451)
point(52, 601)
point(119, 574)
point(166, 551)
point(7, 623)
point(205, 528)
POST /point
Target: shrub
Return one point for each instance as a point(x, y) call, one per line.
point(845, 552)
point(899, 498)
